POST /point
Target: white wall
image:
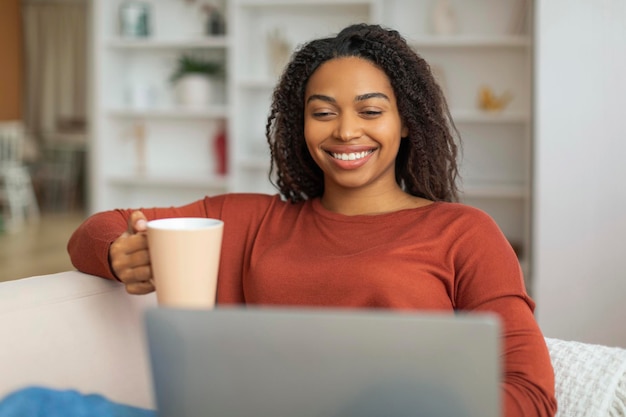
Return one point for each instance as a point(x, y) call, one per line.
point(579, 230)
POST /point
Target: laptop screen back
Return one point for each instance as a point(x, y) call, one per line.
point(323, 363)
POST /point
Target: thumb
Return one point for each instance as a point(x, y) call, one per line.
point(137, 222)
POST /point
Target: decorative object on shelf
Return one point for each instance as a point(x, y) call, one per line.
point(137, 133)
point(193, 80)
point(220, 147)
point(489, 101)
point(279, 51)
point(135, 19)
point(216, 24)
point(444, 20)
point(140, 95)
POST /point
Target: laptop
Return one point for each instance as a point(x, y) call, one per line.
point(282, 362)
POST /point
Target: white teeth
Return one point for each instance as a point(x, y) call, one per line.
point(350, 156)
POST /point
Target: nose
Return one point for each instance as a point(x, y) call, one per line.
point(348, 127)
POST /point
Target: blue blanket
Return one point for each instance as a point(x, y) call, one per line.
point(45, 402)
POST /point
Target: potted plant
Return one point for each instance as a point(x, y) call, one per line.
point(192, 79)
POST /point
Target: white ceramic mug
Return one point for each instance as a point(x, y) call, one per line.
point(185, 257)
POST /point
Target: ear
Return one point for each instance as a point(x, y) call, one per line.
point(404, 132)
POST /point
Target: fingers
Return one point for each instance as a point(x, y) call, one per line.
point(129, 256)
point(137, 222)
point(130, 259)
point(140, 288)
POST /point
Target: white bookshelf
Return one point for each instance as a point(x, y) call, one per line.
point(179, 162)
point(156, 153)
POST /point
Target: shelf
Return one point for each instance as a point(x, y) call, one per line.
point(214, 112)
point(155, 43)
point(494, 190)
point(275, 3)
point(257, 84)
point(201, 180)
point(470, 41)
point(478, 116)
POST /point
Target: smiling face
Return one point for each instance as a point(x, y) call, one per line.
point(352, 126)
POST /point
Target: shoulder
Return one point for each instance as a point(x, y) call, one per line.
point(472, 229)
point(460, 215)
point(463, 226)
point(241, 201)
point(245, 204)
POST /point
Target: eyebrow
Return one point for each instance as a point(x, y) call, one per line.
point(360, 97)
point(371, 95)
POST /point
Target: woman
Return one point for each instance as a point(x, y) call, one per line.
point(365, 161)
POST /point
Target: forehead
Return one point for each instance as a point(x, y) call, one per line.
point(348, 74)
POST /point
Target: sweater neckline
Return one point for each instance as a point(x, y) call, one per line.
point(319, 209)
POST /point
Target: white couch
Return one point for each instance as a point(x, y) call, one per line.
point(72, 330)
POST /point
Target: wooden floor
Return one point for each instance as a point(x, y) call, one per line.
point(38, 248)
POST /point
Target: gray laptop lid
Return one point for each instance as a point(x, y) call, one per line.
point(233, 362)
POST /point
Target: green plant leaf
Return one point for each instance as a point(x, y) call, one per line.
point(190, 64)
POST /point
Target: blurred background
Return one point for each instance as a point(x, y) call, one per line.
point(117, 103)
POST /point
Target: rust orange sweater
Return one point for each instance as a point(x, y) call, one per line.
point(442, 257)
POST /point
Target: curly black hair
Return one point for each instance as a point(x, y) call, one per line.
point(426, 163)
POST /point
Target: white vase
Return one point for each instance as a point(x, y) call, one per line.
point(443, 18)
point(141, 95)
point(194, 90)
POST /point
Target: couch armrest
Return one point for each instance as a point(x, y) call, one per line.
point(72, 330)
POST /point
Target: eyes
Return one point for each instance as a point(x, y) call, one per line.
point(329, 114)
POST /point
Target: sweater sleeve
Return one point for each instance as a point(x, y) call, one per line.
point(88, 247)
point(489, 278)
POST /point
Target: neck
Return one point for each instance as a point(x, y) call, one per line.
point(356, 202)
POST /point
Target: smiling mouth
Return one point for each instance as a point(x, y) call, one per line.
point(351, 156)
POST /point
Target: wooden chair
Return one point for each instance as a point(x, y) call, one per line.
point(17, 195)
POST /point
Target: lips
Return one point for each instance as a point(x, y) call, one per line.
point(350, 158)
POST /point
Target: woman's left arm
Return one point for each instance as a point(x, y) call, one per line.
point(489, 278)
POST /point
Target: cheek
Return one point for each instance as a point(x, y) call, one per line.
point(314, 133)
point(307, 129)
point(310, 138)
point(386, 131)
point(308, 132)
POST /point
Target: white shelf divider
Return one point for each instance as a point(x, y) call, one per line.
point(214, 112)
point(295, 3)
point(200, 181)
point(257, 83)
point(470, 41)
point(155, 43)
point(476, 116)
point(495, 190)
